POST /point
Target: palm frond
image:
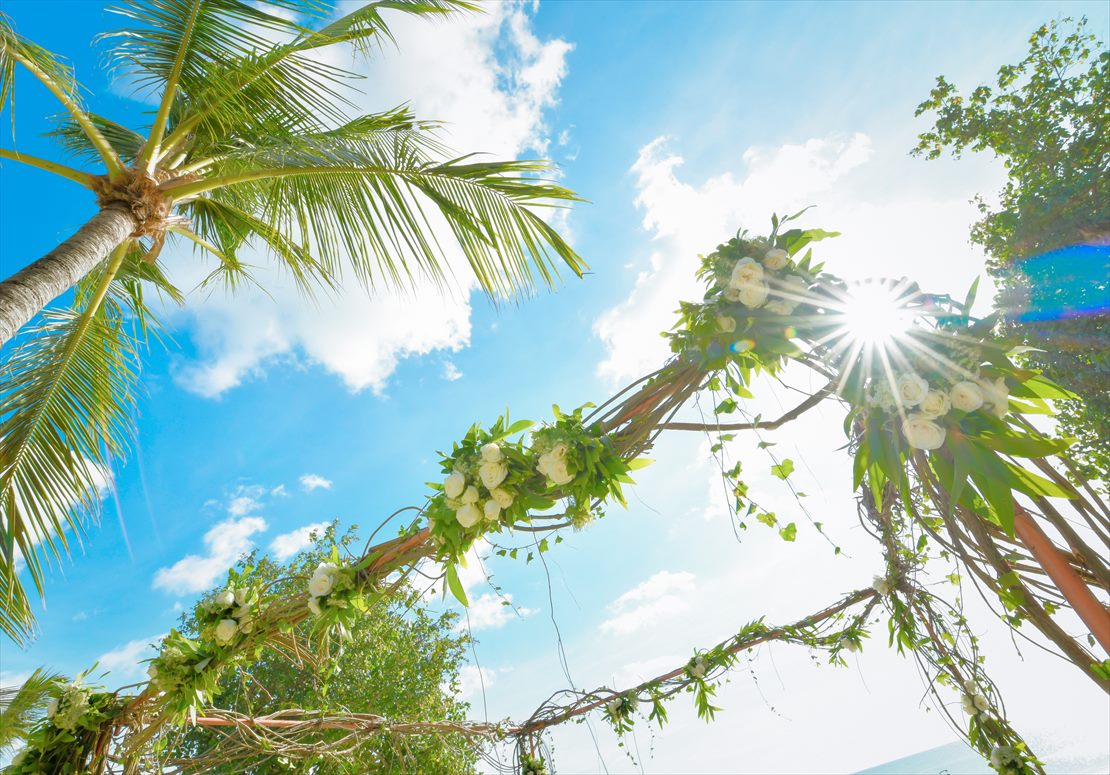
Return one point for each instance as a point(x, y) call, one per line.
point(22, 706)
point(16, 619)
point(357, 194)
point(68, 393)
point(72, 138)
point(56, 76)
point(281, 88)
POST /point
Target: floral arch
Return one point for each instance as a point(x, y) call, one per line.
point(949, 461)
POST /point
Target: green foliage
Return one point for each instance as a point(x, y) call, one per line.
point(22, 706)
point(396, 659)
point(1046, 118)
point(493, 483)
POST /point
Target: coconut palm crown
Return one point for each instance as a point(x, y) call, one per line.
point(253, 143)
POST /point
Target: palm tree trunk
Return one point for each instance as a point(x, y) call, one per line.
point(30, 289)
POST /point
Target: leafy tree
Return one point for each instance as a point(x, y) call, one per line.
point(400, 661)
point(251, 144)
point(1048, 119)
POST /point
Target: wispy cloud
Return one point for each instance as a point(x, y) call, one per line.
point(451, 371)
point(225, 542)
point(491, 612)
point(310, 482)
point(288, 544)
point(663, 595)
point(125, 662)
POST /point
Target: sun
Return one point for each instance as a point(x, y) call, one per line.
point(875, 313)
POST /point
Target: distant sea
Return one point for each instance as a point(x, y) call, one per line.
point(959, 759)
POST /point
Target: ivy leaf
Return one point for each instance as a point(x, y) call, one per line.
point(783, 469)
point(789, 533)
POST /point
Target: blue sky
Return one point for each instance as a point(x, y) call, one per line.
point(680, 122)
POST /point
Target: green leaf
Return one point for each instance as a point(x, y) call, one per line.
point(789, 532)
point(456, 586)
point(783, 469)
point(637, 463)
point(769, 519)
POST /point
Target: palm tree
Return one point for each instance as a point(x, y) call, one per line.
point(252, 142)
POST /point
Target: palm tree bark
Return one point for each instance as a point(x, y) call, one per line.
point(30, 289)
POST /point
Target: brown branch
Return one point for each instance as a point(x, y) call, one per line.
point(767, 425)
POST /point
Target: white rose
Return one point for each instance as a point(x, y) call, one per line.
point(225, 599)
point(470, 496)
point(559, 474)
point(746, 272)
point(996, 395)
point(698, 668)
point(923, 433)
point(240, 613)
point(850, 643)
point(935, 404)
point(966, 396)
point(971, 687)
point(911, 389)
point(614, 706)
point(775, 259)
point(321, 583)
point(491, 452)
point(726, 323)
point(980, 701)
point(969, 706)
point(240, 597)
point(314, 606)
point(754, 295)
point(559, 451)
point(882, 585)
point(468, 515)
point(732, 294)
point(492, 510)
point(503, 497)
point(454, 485)
point(492, 474)
point(226, 630)
point(779, 306)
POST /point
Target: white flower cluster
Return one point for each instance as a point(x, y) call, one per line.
point(234, 605)
point(321, 583)
point(66, 713)
point(553, 464)
point(753, 285)
point(697, 667)
point(622, 706)
point(850, 643)
point(973, 701)
point(882, 585)
point(465, 498)
point(1003, 756)
point(912, 391)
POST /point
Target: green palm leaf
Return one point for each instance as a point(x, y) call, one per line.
point(22, 706)
point(68, 392)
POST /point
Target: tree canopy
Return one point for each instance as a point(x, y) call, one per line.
point(1048, 238)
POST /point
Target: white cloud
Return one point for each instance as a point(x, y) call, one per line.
point(279, 492)
point(473, 680)
point(663, 595)
point(310, 482)
point(286, 545)
point(886, 230)
point(491, 612)
point(451, 371)
point(225, 543)
point(124, 663)
point(491, 99)
point(245, 499)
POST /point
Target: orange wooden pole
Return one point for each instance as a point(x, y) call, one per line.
point(1077, 593)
